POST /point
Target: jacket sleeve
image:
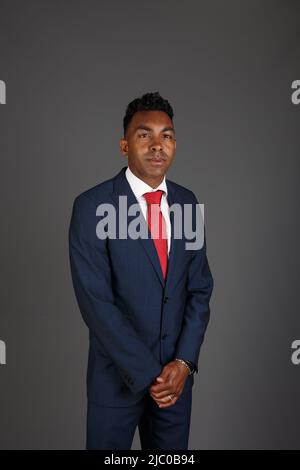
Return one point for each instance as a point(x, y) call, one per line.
point(91, 275)
point(197, 311)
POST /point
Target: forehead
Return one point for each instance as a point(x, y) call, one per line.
point(152, 119)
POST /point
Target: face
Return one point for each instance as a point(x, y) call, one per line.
point(149, 145)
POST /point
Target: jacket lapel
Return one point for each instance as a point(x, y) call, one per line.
point(175, 243)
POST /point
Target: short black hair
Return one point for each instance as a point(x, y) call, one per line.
point(148, 102)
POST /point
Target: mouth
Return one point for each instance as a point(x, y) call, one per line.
point(157, 161)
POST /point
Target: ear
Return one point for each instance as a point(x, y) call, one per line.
point(124, 146)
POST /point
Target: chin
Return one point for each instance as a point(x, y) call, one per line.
point(158, 171)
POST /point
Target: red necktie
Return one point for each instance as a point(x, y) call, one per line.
point(157, 227)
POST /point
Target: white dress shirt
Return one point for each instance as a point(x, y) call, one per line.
point(139, 187)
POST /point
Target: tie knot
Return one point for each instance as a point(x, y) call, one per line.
point(153, 197)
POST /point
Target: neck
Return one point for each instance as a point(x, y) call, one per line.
point(153, 183)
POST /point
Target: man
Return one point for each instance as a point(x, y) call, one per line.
point(144, 300)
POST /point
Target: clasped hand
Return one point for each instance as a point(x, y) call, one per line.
point(170, 383)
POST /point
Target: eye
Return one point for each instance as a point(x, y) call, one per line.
point(168, 136)
point(143, 135)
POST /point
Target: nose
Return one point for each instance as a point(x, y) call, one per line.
point(156, 145)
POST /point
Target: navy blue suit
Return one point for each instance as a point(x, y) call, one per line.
point(137, 321)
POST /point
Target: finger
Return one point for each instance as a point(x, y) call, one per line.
point(163, 377)
point(163, 394)
point(166, 399)
point(168, 404)
point(162, 400)
point(160, 387)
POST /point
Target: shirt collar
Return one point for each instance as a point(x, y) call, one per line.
point(139, 187)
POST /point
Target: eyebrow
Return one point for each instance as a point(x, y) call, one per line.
point(146, 128)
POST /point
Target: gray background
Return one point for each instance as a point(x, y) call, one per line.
point(70, 68)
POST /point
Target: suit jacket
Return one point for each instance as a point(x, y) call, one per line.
point(137, 320)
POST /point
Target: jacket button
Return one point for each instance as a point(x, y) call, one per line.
point(166, 299)
point(164, 336)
